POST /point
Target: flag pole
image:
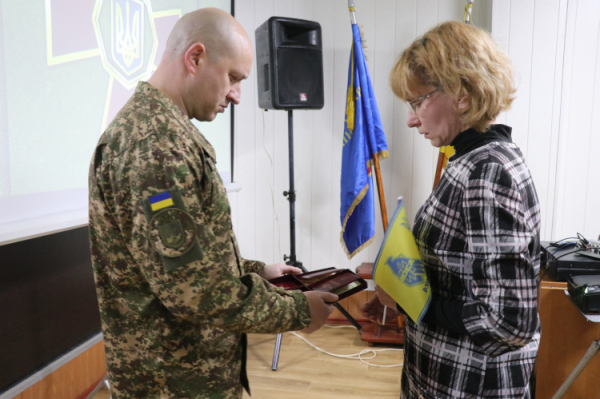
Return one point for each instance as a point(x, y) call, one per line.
point(382, 206)
point(352, 14)
point(439, 167)
point(467, 14)
point(384, 218)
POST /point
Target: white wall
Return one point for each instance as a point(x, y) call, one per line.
point(536, 33)
point(260, 211)
point(555, 118)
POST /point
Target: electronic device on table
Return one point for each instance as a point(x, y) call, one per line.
point(585, 292)
point(565, 258)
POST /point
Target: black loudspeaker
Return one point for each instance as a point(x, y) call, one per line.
point(289, 64)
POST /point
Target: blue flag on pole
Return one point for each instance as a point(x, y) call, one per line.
point(363, 137)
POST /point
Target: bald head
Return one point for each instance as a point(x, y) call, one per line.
point(217, 30)
point(207, 56)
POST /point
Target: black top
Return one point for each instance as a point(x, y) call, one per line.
point(471, 139)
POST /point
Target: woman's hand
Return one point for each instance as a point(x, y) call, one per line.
point(384, 298)
point(373, 310)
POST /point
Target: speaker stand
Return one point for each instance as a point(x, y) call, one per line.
point(291, 260)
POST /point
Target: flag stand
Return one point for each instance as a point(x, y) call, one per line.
point(291, 260)
point(393, 331)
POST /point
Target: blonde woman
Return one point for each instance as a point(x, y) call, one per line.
point(477, 233)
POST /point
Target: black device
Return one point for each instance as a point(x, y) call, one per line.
point(585, 292)
point(591, 254)
point(289, 64)
point(569, 259)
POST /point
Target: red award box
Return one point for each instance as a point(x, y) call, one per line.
point(341, 282)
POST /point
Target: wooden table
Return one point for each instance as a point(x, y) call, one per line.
point(566, 337)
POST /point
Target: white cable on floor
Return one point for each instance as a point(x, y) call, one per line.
point(355, 356)
point(342, 326)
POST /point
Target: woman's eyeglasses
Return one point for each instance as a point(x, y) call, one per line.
point(414, 104)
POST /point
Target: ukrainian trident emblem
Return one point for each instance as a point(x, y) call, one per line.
point(410, 271)
point(126, 38)
point(127, 33)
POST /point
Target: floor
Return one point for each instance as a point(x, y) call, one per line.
point(304, 372)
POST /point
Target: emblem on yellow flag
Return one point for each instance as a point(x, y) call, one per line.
point(399, 270)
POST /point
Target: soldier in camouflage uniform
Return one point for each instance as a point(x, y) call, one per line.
point(176, 297)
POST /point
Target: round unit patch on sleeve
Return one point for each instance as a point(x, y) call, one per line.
point(172, 232)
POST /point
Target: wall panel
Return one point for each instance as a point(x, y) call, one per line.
point(264, 150)
point(501, 32)
point(342, 39)
point(401, 149)
point(424, 163)
point(520, 51)
point(384, 56)
point(245, 155)
point(546, 77)
point(324, 144)
point(591, 228)
point(578, 132)
point(554, 47)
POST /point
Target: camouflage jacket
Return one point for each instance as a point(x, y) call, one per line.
point(175, 295)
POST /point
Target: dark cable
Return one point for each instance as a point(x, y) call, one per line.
point(556, 243)
point(582, 239)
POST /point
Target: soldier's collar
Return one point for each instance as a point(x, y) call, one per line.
point(149, 91)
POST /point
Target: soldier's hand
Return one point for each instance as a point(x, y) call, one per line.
point(321, 306)
point(277, 270)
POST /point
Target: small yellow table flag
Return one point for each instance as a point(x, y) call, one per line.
point(398, 268)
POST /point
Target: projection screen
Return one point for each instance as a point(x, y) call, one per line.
point(66, 68)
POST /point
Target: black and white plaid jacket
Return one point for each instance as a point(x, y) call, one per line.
point(478, 235)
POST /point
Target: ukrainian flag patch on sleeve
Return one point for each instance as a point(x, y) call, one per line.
point(171, 230)
point(161, 201)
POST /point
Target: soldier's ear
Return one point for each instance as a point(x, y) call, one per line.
point(194, 57)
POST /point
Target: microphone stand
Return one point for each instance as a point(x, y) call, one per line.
point(291, 260)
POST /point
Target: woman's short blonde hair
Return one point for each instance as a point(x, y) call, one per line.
point(464, 62)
